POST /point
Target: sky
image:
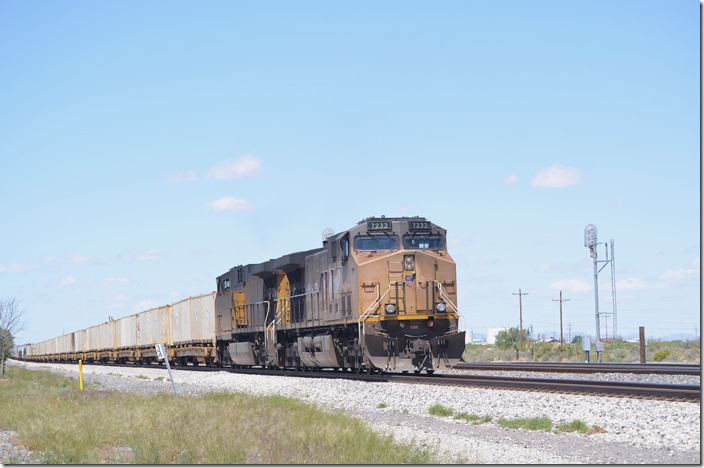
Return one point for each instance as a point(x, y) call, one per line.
point(148, 147)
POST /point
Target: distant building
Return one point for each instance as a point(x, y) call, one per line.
point(491, 334)
point(468, 336)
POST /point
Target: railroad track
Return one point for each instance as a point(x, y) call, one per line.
point(575, 367)
point(662, 391)
point(679, 392)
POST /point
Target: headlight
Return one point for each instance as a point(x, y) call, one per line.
point(409, 262)
point(390, 309)
point(441, 307)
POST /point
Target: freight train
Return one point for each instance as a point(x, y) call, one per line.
point(378, 297)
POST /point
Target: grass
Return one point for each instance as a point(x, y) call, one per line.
point(440, 410)
point(574, 426)
point(63, 425)
point(614, 351)
point(473, 418)
point(541, 423)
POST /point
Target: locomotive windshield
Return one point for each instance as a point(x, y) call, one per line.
point(378, 242)
point(432, 242)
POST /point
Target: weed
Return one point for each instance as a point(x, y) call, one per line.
point(542, 423)
point(596, 430)
point(661, 355)
point(439, 410)
point(575, 426)
point(473, 418)
point(382, 405)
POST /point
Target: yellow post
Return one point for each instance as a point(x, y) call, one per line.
point(80, 373)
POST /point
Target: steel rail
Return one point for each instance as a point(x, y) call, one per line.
point(575, 367)
point(679, 392)
point(649, 390)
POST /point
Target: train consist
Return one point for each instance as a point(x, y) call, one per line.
point(380, 296)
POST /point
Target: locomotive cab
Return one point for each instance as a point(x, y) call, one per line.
point(407, 295)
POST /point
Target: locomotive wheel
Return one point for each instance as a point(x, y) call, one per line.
point(430, 371)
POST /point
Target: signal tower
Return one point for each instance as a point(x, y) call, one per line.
point(590, 241)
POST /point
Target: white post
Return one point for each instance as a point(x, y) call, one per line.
point(161, 354)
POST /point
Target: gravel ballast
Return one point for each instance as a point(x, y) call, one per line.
point(635, 431)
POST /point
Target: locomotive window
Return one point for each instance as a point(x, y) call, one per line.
point(371, 243)
point(226, 284)
point(432, 242)
point(345, 247)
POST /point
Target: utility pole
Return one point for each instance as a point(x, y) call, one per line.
point(562, 341)
point(520, 308)
point(569, 332)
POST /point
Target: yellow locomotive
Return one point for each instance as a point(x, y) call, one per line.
point(379, 296)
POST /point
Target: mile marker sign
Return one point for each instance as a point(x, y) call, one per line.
point(161, 355)
point(160, 351)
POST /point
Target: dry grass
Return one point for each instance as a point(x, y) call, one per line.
point(53, 418)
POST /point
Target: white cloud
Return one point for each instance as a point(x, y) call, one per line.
point(244, 166)
point(630, 284)
point(189, 176)
point(572, 285)
point(511, 180)
point(17, 268)
point(115, 281)
point(67, 281)
point(118, 302)
point(675, 275)
point(679, 274)
point(557, 177)
point(80, 259)
point(148, 255)
point(230, 204)
point(145, 305)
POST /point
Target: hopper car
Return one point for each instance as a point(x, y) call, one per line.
point(380, 296)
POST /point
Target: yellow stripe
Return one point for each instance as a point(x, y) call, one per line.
point(378, 318)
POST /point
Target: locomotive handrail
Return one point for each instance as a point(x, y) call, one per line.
point(446, 298)
point(368, 311)
point(279, 313)
point(376, 303)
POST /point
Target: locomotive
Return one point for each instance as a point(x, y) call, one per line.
point(378, 297)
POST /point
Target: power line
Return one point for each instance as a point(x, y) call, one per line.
point(520, 308)
point(561, 300)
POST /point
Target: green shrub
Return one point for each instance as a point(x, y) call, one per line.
point(662, 355)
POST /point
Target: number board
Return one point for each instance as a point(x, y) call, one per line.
point(419, 226)
point(378, 226)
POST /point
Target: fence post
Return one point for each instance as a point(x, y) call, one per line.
point(642, 344)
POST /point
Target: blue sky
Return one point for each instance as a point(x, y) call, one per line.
point(148, 147)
